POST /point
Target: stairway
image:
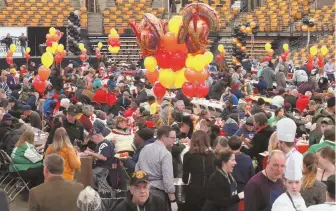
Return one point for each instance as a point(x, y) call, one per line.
point(95, 24)
point(227, 42)
point(241, 18)
point(75, 4)
point(2, 4)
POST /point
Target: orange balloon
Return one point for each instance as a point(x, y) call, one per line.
point(253, 24)
point(222, 54)
point(63, 53)
point(304, 28)
point(234, 40)
point(239, 45)
point(84, 51)
point(48, 37)
point(243, 48)
point(270, 52)
point(44, 73)
point(243, 28)
point(152, 76)
point(194, 76)
point(9, 53)
point(249, 30)
point(54, 37)
point(170, 41)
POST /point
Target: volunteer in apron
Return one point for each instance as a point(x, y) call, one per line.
point(291, 200)
point(222, 188)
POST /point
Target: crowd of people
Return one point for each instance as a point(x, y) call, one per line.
point(145, 149)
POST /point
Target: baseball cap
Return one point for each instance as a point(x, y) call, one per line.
point(26, 108)
point(7, 117)
point(327, 121)
point(72, 110)
point(139, 176)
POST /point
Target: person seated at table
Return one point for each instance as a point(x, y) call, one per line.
point(203, 115)
point(231, 125)
point(142, 137)
point(85, 119)
point(235, 90)
point(247, 111)
point(312, 108)
point(228, 109)
point(259, 106)
point(326, 163)
point(221, 143)
point(228, 95)
point(278, 114)
point(278, 100)
point(61, 145)
point(247, 130)
point(261, 86)
point(328, 139)
point(27, 160)
point(31, 117)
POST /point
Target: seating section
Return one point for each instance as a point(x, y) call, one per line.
point(300, 56)
point(43, 13)
point(222, 7)
point(258, 47)
point(126, 10)
point(324, 18)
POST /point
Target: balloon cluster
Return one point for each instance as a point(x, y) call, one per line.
point(113, 41)
point(308, 24)
point(285, 54)
point(313, 52)
point(54, 35)
point(53, 48)
point(83, 57)
point(26, 54)
point(240, 34)
point(222, 53)
point(74, 32)
point(10, 52)
point(270, 52)
point(99, 47)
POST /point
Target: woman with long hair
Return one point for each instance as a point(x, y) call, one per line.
point(326, 163)
point(61, 145)
point(27, 160)
point(197, 169)
point(312, 190)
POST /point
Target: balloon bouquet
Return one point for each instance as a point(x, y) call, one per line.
point(175, 52)
point(99, 47)
point(313, 52)
point(83, 57)
point(27, 55)
point(113, 41)
point(47, 58)
point(10, 52)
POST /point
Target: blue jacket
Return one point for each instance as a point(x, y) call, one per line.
point(237, 93)
point(111, 84)
point(234, 99)
point(243, 171)
point(131, 162)
point(247, 134)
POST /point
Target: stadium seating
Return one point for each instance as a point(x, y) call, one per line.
point(125, 10)
point(258, 47)
point(300, 56)
point(43, 13)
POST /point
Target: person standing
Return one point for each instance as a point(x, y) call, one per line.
point(23, 43)
point(156, 160)
point(197, 169)
point(55, 193)
point(7, 41)
point(265, 187)
point(269, 75)
point(222, 194)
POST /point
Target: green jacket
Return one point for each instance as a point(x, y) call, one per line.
point(316, 147)
point(274, 120)
point(25, 157)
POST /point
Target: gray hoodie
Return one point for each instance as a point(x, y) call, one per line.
point(269, 76)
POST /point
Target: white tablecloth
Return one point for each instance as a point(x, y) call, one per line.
point(214, 105)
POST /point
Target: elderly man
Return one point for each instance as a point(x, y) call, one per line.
point(265, 187)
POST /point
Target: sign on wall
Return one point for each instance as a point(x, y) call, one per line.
point(15, 33)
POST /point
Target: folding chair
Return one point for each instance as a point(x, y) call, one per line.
point(17, 184)
point(4, 170)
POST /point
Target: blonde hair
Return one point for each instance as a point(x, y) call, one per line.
point(309, 173)
point(27, 136)
point(61, 140)
point(273, 142)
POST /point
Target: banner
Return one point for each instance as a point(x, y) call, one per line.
point(15, 33)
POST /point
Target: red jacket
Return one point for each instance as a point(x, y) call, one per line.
point(101, 96)
point(129, 112)
point(302, 103)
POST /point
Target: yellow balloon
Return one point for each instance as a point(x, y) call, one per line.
point(54, 46)
point(49, 50)
point(12, 47)
point(199, 62)
point(100, 45)
point(28, 50)
point(285, 46)
point(167, 78)
point(268, 46)
point(180, 79)
point(150, 63)
point(174, 24)
point(113, 31)
point(324, 50)
point(113, 49)
point(220, 48)
point(52, 31)
point(208, 57)
point(47, 59)
point(81, 46)
point(190, 61)
point(313, 50)
point(60, 47)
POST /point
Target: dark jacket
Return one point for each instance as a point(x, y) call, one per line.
point(153, 203)
point(141, 97)
point(75, 131)
point(219, 196)
point(291, 100)
point(8, 143)
point(199, 167)
point(57, 82)
point(4, 128)
point(243, 171)
point(8, 41)
point(23, 41)
point(131, 162)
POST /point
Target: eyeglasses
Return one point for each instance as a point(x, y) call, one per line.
point(172, 137)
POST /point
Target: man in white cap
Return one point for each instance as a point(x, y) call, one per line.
point(286, 130)
point(291, 200)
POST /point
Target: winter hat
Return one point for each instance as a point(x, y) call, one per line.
point(100, 127)
point(89, 200)
point(145, 133)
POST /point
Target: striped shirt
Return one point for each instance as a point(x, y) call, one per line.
point(4, 86)
point(157, 162)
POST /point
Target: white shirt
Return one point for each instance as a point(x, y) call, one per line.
point(322, 207)
point(283, 203)
point(296, 156)
point(278, 101)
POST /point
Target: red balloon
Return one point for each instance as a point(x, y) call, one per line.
point(98, 55)
point(320, 57)
point(58, 59)
point(283, 57)
point(202, 90)
point(83, 57)
point(310, 58)
point(188, 89)
point(49, 42)
point(219, 58)
point(9, 60)
point(320, 63)
point(163, 59)
point(310, 66)
point(43, 73)
point(159, 90)
point(178, 60)
point(39, 85)
point(152, 76)
point(27, 57)
point(267, 58)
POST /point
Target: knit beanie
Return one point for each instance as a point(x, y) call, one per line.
point(145, 133)
point(89, 200)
